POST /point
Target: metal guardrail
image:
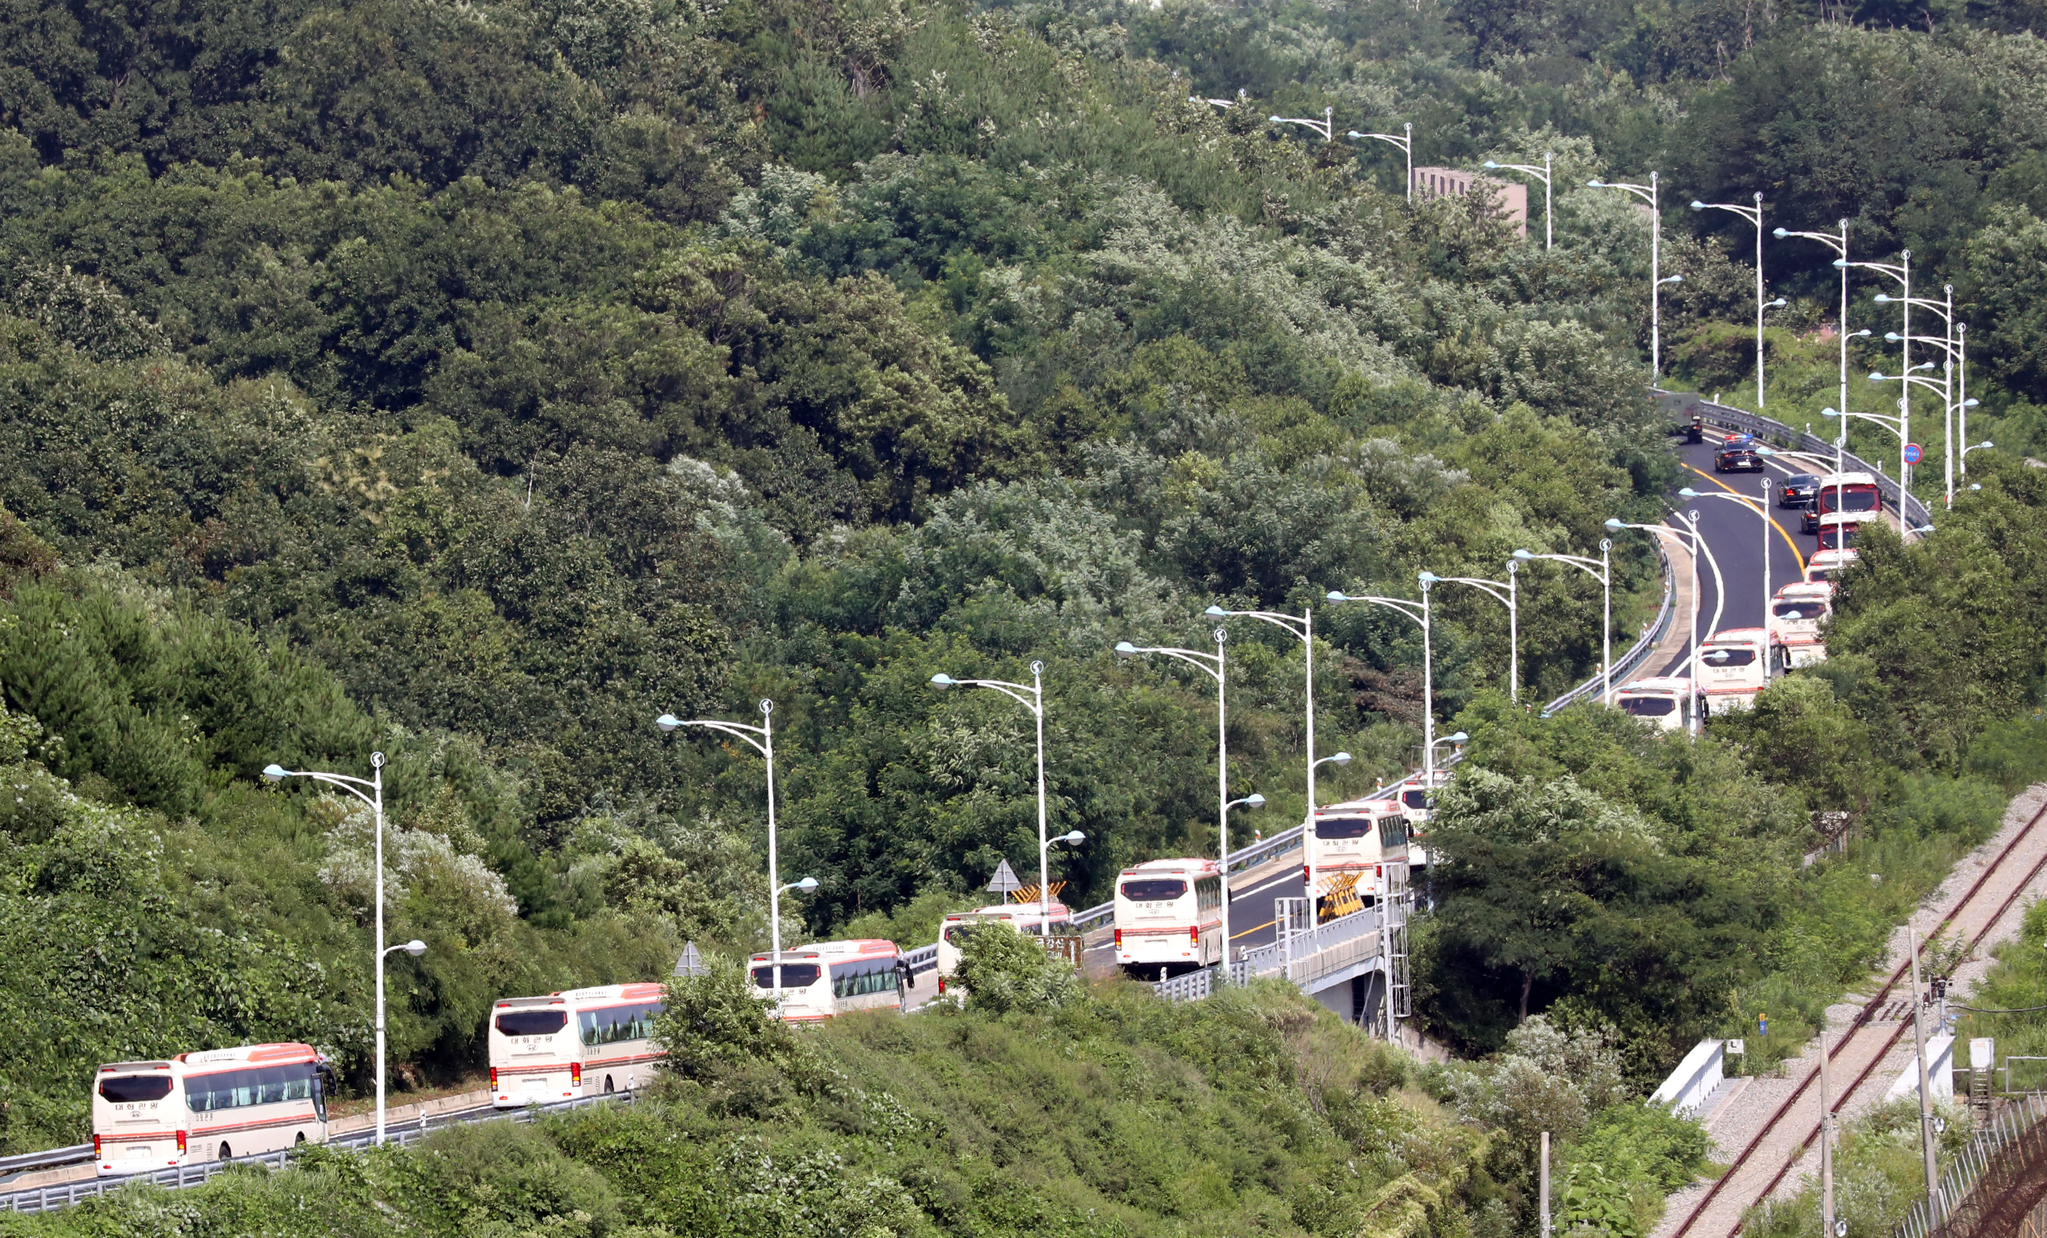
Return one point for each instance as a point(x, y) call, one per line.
point(49, 1159)
point(65, 1194)
point(1728, 417)
point(922, 959)
point(1950, 1208)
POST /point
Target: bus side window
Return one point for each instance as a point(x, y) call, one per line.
point(1208, 893)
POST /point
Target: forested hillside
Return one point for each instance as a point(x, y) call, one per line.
point(477, 382)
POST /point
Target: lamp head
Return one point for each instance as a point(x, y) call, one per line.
point(1892, 337)
point(943, 680)
point(1883, 298)
point(1341, 758)
point(1595, 184)
point(1924, 528)
point(1688, 492)
point(415, 947)
point(1616, 524)
point(1765, 451)
point(275, 772)
point(1698, 205)
point(1971, 402)
point(1427, 578)
point(1779, 233)
point(1975, 485)
point(1074, 839)
point(1489, 164)
point(1124, 649)
point(1862, 334)
point(1458, 738)
point(1336, 596)
point(1523, 555)
point(1273, 119)
point(1254, 800)
point(1218, 612)
point(807, 884)
point(1354, 134)
point(668, 722)
point(1876, 376)
point(1986, 443)
point(1779, 303)
point(1830, 412)
point(1672, 279)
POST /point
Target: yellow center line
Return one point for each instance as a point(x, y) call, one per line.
point(1766, 515)
point(1247, 932)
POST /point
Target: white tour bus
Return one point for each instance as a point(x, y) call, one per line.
point(1358, 845)
point(582, 1042)
point(1025, 918)
point(1734, 666)
point(1795, 617)
point(211, 1106)
point(1169, 917)
point(834, 978)
point(1825, 565)
point(1665, 702)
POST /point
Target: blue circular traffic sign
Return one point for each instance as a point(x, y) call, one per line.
point(1912, 453)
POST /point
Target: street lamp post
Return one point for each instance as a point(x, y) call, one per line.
point(1650, 193)
point(1902, 272)
point(1405, 141)
point(1214, 666)
point(1603, 573)
point(1033, 699)
point(1303, 628)
point(1762, 508)
point(1754, 214)
point(1840, 247)
point(1950, 345)
point(1542, 174)
point(1506, 594)
point(1419, 612)
point(762, 738)
point(1326, 126)
point(1690, 521)
point(371, 792)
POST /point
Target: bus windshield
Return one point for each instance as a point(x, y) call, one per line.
point(125, 1088)
point(1156, 889)
point(1649, 706)
point(1343, 827)
point(1850, 499)
point(532, 1022)
point(794, 976)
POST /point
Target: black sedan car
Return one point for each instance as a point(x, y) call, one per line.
point(1796, 489)
point(1738, 457)
point(1809, 516)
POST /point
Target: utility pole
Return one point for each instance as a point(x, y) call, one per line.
point(1826, 1144)
point(1925, 1091)
point(1545, 1231)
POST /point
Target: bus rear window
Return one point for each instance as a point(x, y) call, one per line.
point(1415, 799)
point(1729, 657)
point(122, 1089)
point(1799, 610)
point(1343, 827)
point(532, 1022)
point(1850, 500)
point(1649, 706)
point(794, 976)
point(1154, 889)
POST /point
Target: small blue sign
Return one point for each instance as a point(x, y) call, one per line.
point(1912, 453)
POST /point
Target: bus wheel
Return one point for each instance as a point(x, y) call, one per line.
point(225, 1154)
point(301, 1139)
point(607, 1085)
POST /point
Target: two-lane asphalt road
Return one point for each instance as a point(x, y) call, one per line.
point(1731, 562)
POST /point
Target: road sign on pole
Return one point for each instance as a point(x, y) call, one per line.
point(1004, 879)
point(1912, 453)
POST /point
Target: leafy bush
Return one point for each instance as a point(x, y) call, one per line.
point(1004, 970)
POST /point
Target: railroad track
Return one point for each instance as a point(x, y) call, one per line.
point(1875, 1030)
